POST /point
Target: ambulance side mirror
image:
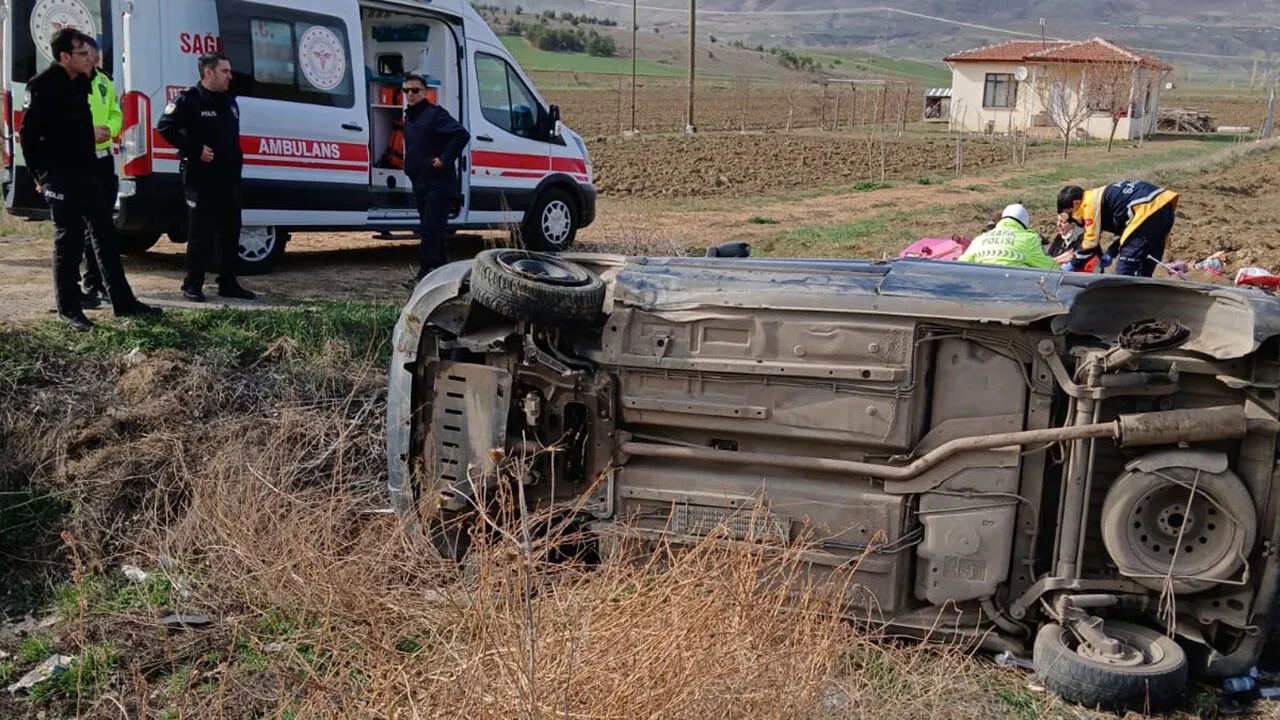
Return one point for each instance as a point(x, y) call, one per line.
point(554, 116)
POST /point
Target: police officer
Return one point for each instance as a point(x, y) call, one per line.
point(108, 119)
point(1139, 213)
point(204, 124)
point(432, 142)
point(57, 141)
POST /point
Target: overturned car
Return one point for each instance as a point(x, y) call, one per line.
point(1077, 466)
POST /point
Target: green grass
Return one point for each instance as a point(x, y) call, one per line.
point(229, 334)
point(919, 74)
point(34, 650)
point(842, 234)
point(870, 186)
point(1110, 169)
point(532, 59)
point(90, 673)
point(114, 594)
point(11, 226)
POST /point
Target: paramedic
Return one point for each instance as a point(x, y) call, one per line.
point(433, 140)
point(1139, 213)
point(57, 139)
point(204, 124)
point(1010, 243)
point(107, 121)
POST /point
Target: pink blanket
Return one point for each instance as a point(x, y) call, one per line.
point(936, 248)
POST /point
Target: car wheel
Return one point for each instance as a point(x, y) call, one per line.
point(1149, 673)
point(552, 224)
point(1154, 527)
point(137, 243)
point(542, 289)
point(260, 249)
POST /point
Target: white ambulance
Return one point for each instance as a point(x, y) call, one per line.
point(318, 86)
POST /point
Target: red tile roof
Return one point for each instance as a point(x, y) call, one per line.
point(1012, 51)
point(1095, 50)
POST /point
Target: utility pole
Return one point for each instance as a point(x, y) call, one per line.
point(635, 31)
point(693, 54)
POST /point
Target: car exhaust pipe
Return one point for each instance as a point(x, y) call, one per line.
point(1137, 430)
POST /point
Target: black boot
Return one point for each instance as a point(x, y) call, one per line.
point(77, 322)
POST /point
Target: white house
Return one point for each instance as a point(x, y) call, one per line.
point(1000, 88)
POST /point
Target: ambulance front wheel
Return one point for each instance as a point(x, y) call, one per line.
point(552, 223)
point(260, 249)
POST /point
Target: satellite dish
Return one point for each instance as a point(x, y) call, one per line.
point(1020, 73)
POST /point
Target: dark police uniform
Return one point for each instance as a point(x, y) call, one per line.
point(431, 132)
point(1139, 213)
point(57, 141)
point(106, 112)
point(199, 118)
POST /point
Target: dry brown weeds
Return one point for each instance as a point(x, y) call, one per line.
point(261, 496)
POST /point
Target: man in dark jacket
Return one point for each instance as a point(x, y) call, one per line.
point(203, 123)
point(58, 144)
point(433, 141)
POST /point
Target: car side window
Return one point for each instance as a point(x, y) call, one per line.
point(281, 54)
point(505, 100)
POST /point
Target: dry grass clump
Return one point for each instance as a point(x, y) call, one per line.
point(256, 499)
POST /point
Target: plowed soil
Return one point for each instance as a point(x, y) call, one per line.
point(1236, 210)
point(661, 106)
point(1243, 110)
point(735, 164)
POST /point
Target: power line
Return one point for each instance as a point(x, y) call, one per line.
point(908, 13)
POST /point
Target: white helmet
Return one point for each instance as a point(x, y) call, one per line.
point(1017, 212)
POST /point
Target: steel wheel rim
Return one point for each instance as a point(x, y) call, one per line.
point(556, 222)
point(257, 244)
point(1155, 521)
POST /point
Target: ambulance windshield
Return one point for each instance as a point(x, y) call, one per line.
point(34, 23)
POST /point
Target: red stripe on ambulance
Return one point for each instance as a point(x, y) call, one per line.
point(536, 165)
point(288, 152)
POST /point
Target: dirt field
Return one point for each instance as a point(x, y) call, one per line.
point(768, 164)
point(732, 105)
point(1242, 109)
point(1236, 210)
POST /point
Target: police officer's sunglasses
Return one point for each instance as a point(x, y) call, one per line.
point(413, 90)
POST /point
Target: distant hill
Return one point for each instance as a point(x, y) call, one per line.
point(1205, 37)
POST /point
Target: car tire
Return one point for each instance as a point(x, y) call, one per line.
point(1136, 541)
point(1155, 683)
point(261, 249)
point(552, 222)
point(138, 243)
point(536, 287)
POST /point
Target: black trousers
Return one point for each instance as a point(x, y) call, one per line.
point(1146, 242)
point(110, 186)
point(213, 235)
point(76, 204)
point(433, 216)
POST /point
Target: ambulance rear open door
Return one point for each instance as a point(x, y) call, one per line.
point(304, 118)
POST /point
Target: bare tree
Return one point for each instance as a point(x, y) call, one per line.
point(1114, 88)
point(742, 86)
point(1063, 95)
point(790, 88)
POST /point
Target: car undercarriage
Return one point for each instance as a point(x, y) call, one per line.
point(1077, 466)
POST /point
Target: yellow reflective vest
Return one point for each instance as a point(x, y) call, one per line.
point(105, 107)
point(1119, 208)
